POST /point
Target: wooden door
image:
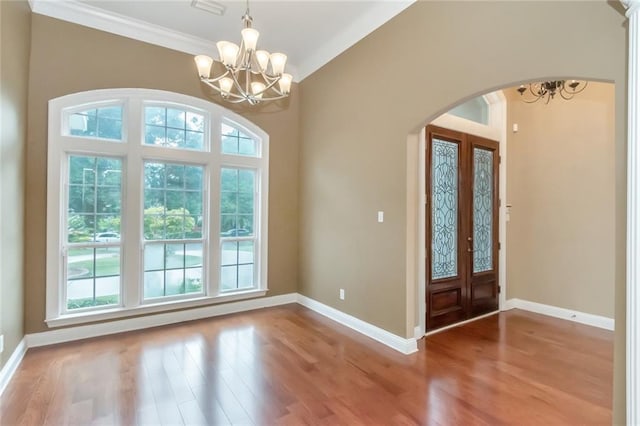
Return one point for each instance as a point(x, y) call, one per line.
point(462, 226)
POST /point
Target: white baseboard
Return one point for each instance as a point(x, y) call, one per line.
point(400, 344)
point(102, 329)
point(567, 314)
point(12, 364)
point(417, 333)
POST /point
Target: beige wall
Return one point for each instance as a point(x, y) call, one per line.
point(15, 18)
point(561, 185)
point(358, 110)
point(68, 58)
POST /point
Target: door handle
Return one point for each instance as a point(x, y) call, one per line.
point(470, 250)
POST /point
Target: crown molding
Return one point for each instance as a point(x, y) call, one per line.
point(103, 20)
point(359, 28)
point(631, 6)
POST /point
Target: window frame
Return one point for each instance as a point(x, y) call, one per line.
point(134, 153)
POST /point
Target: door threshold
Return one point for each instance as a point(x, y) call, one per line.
point(460, 323)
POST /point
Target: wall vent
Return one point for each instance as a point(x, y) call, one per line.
point(209, 6)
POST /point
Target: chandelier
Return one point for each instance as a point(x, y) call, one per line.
point(249, 75)
point(547, 90)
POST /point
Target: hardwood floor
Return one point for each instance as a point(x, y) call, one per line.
point(291, 366)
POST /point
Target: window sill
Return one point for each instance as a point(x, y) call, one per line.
point(120, 312)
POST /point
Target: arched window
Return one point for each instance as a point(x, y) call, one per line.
point(155, 201)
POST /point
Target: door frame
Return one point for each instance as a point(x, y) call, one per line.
point(496, 130)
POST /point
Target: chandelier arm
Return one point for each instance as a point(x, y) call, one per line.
point(215, 79)
point(567, 96)
point(236, 83)
point(537, 95)
point(271, 82)
point(575, 92)
point(535, 99)
point(224, 94)
point(273, 98)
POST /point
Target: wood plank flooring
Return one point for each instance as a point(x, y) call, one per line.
point(291, 366)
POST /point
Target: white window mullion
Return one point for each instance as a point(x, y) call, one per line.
point(214, 210)
point(132, 220)
point(262, 216)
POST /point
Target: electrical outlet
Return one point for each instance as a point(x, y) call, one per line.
point(342, 294)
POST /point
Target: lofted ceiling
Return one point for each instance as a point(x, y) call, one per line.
point(309, 32)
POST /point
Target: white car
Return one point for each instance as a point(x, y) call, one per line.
point(107, 237)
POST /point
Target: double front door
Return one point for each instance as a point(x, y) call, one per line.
point(462, 226)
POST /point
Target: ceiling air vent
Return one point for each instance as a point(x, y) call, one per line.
point(209, 6)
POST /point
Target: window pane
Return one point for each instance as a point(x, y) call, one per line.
point(154, 135)
point(193, 202)
point(237, 201)
point(109, 128)
point(175, 176)
point(193, 227)
point(175, 200)
point(195, 122)
point(153, 284)
point(237, 265)
point(193, 177)
point(444, 214)
point(193, 278)
point(105, 123)
point(175, 118)
point(227, 225)
point(108, 228)
point(155, 116)
point(107, 262)
point(172, 269)
point(174, 128)
point(80, 263)
point(245, 276)
point(94, 199)
point(229, 278)
point(235, 142)
point(174, 283)
point(195, 140)
point(93, 277)
point(167, 213)
point(154, 175)
point(482, 210)
point(175, 138)
point(174, 256)
point(245, 203)
point(228, 202)
point(246, 181)
point(229, 180)
point(247, 147)
point(228, 130)
point(193, 255)
point(153, 257)
point(229, 145)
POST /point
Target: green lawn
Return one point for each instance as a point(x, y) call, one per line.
point(89, 302)
point(110, 266)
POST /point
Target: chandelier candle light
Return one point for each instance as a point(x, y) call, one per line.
point(250, 75)
point(548, 89)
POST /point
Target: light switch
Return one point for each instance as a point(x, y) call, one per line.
point(380, 216)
